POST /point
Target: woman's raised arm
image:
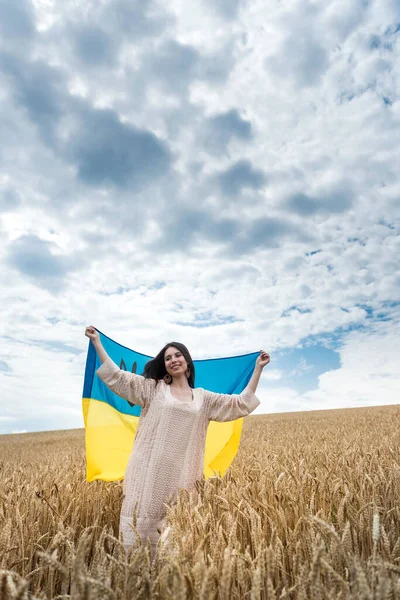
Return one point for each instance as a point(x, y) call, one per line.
point(229, 407)
point(136, 389)
point(93, 335)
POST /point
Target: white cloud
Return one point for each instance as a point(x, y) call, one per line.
point(272, 374)
point(368, 376)
point(283, 227)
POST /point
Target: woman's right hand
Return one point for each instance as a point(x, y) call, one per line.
point(92, 333)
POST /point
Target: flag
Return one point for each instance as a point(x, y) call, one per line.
point(110, 421)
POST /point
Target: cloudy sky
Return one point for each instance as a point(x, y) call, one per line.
point(222, 173)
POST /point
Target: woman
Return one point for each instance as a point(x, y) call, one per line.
point(168, 452)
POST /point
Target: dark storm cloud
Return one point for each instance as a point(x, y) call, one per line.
point(9, 200)
point(301, 57)
point(17, 20)
point(33, 257)
point(177, 65)
point(97, 36)
point(135, 19)
point(107, 151)
point(340, 199)
point(104, 150)
point(266, 231)
point(241, 175)
point(187, 228)
point(303, 205)
point(175, 62)
point(222, 128)
point(94, 46)
point(334, 201)
point(258, 234)
point(215, 68)
point(231, 124)
point(39, 89)
point(183, 229)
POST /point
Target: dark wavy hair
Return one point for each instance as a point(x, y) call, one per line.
point(155, 368)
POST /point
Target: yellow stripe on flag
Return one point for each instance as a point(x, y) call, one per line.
point(110, 435)
point(109, 440)
point(222, 444)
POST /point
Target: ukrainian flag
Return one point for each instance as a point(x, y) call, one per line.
point(110, 421)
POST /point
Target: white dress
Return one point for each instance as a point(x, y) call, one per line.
point(168, 451)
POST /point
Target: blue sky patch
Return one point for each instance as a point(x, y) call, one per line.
point(301, 366)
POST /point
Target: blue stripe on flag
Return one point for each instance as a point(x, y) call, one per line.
point(224, 375)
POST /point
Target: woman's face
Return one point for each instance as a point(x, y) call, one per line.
point(175, 362)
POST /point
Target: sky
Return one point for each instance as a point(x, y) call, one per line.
point(221, 173)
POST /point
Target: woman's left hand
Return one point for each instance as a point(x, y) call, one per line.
point(263, 359)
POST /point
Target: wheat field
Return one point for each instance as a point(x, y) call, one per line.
point(310, 509)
